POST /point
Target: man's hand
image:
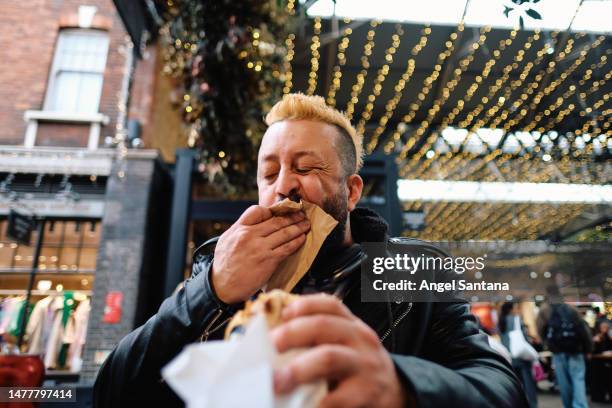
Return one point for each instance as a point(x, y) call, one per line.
point(252, 248)
point(342, 350)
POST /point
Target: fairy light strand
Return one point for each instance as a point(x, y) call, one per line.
point(315, 56)
point(399, 87)
point(363, 73)
point(427, 86)
point(340, 62)
point(381, 76)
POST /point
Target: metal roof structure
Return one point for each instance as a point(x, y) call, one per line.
point(472, 104)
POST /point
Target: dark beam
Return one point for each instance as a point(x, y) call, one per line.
point(179, 218)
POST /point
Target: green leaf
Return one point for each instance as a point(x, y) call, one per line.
point(533, 14)
point(521, 22)
point(507, 10)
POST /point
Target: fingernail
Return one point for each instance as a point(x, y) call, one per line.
point(282, 380)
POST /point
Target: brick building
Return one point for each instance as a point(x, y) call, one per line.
point(69, 87)
point(70, 46)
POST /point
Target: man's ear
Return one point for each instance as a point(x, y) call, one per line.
point(354, 184)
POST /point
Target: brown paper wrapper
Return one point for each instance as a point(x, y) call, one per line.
point(293, 268)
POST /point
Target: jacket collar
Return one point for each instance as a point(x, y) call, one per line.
point(368, 226)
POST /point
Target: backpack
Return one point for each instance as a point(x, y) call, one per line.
point(562, 332)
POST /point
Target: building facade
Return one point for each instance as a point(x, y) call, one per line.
point(69, 90)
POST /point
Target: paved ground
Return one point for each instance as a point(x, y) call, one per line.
point(549, 400)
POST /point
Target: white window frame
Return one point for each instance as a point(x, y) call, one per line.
point(52, 87)
point(95, 119)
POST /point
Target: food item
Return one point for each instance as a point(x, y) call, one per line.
point(271, 304)
point(294, 267)
point(286, 206)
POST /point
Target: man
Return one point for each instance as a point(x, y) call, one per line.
point(569, 339)
point(372, 354)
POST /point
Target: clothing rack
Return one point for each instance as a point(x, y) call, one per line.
point(11, 292)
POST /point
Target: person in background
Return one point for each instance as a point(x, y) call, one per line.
point(599, 316)
point(602, 341)
point(521, 367)
point(568, 338)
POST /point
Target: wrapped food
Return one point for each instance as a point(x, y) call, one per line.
point(269, 304)
point(294, 267)
point(237, 372)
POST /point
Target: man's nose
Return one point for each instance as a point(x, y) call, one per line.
point(287, 184)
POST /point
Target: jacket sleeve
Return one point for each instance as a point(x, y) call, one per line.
point(458, 367)
point(131, 373)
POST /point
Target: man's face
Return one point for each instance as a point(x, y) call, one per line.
point(299, 157)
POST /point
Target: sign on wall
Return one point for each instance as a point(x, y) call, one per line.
point(20, 227)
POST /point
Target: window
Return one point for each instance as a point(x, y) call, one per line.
point(68, 247)
point(75, 83)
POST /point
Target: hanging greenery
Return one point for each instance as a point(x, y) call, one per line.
point(227, 60)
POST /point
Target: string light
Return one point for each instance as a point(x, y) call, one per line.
point(382, 73)
point(492, 112)
point(341, 61)
point(291, 6)
point(363, 73)
point(446, 92)
point(570, 108)
point(508, 90)
point(427, 85)
point(315, 55)
point(501, 221)
point(290, 43)
point(553, 85)
point(460, 104)
point(527, 166)
point(399, 87)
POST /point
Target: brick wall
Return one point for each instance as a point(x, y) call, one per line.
point(62, 135)
point(28, 34)
point(120, 258)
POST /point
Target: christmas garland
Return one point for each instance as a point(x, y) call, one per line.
point(227, 60)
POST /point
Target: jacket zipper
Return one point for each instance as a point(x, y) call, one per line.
point(396, 322)
point(208, 330)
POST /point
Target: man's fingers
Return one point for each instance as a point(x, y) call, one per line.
point(276, 223)
point(289, 247)
point(328, 362)
point(286, 234)
point(255, 214)
point(319, 303)
point(348, 394)
point(313, 330)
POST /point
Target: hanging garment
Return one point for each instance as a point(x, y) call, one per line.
point(56, 335)
point(19, 314)
point(81, 317)
point(11, 306)
point(39, 325)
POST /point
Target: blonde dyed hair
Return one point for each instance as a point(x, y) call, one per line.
point(297, 106)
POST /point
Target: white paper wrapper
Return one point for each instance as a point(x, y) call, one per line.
point(236, 373)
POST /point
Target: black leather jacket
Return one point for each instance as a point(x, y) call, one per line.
point(439, 352)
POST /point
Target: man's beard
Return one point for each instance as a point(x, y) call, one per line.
point(337, 207)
